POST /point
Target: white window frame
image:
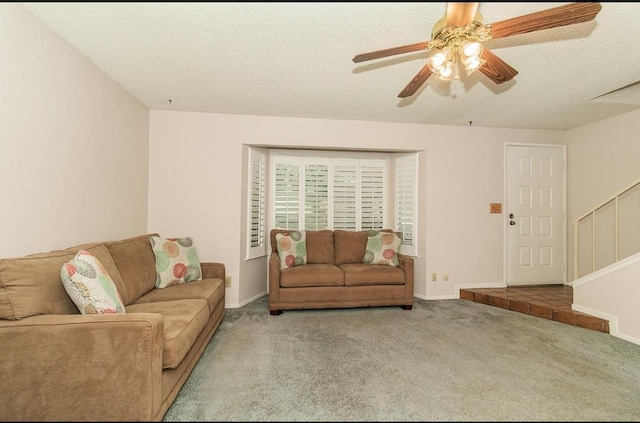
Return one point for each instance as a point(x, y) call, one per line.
point(392, 164)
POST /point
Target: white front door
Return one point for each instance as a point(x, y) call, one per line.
point(534, 214)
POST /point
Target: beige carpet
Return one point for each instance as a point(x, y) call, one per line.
point(447, 360)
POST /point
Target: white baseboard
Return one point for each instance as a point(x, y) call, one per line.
point(245, 302)
point(435, 297)
point(443, 297)
point(613, 322)
point(458, 287)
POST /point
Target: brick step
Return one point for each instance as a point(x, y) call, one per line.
point(547, 302)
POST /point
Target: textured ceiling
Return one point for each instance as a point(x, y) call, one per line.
point(294, 59)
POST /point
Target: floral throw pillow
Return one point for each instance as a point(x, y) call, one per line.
point(89, 285)
point(382, 248)
point(292, 248)
point(176, 261)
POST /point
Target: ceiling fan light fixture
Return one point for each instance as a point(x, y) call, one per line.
point(471, 54)
point(443, 63)
point(448, 72)
point(437, 62)
point(472, 64)
point(471, 49)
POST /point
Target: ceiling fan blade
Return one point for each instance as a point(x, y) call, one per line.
point(390, 52)
point(416, 82)
point(551, 18)
point(495, 68)
point(461, 14)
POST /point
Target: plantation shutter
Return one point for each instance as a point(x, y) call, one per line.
point(287, 195)
point(256, 213)
point(406, 191)
point(316, 196)
point(257, 200)
point(345, 190)
point(320, 192)
point(372, 175)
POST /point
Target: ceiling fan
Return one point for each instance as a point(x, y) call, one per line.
point(460, 33)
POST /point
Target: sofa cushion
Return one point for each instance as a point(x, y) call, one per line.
point(136, 263)
point(176, 261)
point(292, 248)
point(311, 275)
point(382, 248)
point(210, 290)
point(320, 247)
point(349, 246)
point(90, 286)
point(183, 322)
point(31, 285)
point(372, 274)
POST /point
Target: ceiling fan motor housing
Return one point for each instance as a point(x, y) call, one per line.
point(443, 35)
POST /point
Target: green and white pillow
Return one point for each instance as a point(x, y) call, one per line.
point(176, 261)
point(292, 248)
point(89, 285)
point(382, 248)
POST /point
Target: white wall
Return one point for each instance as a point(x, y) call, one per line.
point(73, 144)
point(612, 294)
point(196, 173)
point(603, 158)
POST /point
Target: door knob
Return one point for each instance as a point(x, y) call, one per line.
point(511, 222)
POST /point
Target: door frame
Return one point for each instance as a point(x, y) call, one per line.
point(505, 219)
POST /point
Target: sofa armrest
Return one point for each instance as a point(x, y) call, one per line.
point(211, 270)
point(274, 276)
point(406, 264)
point(81, 367)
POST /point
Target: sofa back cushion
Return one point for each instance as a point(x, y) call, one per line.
point(350, 246)
point(136, 263)
point(320, 249)
point(31, 285)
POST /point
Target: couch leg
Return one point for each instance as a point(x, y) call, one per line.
point(275, 312)
point(406, 307)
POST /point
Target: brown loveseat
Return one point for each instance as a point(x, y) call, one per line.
point(60, 365)
point(336, 277)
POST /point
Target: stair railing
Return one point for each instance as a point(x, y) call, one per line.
point(611, 201)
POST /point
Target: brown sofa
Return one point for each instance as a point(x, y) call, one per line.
point(336, 277)
point(60, 365)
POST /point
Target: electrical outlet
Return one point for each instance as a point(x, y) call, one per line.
point(434, 277)
point(227, 281)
